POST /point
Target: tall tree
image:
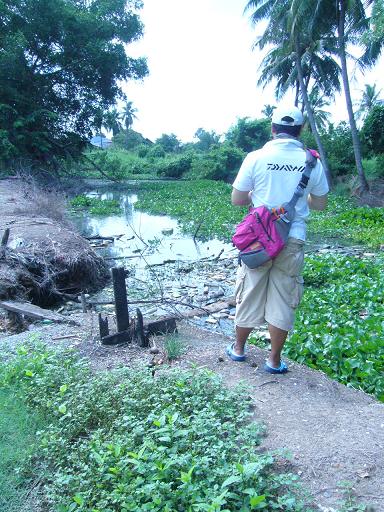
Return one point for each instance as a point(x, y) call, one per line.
point(355, 16)
point(297, 55)
point(349, 21)
point(318, 101)
point(112, 121)
point(61, 63)
point(268, 110)
point(129, 114)
point(369, 98)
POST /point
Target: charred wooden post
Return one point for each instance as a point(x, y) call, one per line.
point(4, 242)
point(103, 326)
point(142, 339)
point(120, 292)
point(117, 338)
point(5, 238)
point(163, 326)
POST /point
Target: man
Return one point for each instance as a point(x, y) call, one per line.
point(272, 292)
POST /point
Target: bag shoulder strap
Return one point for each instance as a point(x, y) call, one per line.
point(310, 163)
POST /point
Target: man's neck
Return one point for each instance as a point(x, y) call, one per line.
point(283, 136)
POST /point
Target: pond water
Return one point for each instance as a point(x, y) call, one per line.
point(155, 237)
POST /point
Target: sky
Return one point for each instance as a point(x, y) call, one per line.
point(203, 71)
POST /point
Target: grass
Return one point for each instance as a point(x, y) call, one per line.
point(18, 427)
point(174, 346)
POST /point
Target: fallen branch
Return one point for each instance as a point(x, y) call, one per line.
point(66, 337)
point(122, 257)
point(99, 237)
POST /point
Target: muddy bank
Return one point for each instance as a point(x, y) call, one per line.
point(44, 260)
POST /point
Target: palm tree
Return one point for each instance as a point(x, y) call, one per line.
point(111, 121)
point(318, 101)
point(268, 111)
point(336, 16)
point(355, 17)
point(369, 98)
point(128, 114)
point(293, 60)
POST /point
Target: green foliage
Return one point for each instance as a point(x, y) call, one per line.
point(156, 151)
point(339, 327)
point(221, 163)
point(174, 346)
point(128, 441)
point(60, 66)
point(96, 206)
point(169, 143)
point(250, 134)
point(115, 164)
point(18, 427)
point(129, 140)
point(347, 223)
point(205, 139)
point(373, 130)
point(339, 148)
point(174, 167)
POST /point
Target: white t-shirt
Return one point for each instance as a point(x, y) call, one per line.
point(273, 173)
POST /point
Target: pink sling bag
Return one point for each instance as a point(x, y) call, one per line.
point(263, 232)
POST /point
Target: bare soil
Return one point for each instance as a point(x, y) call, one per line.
point(329, 433)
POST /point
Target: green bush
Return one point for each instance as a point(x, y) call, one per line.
point(128, 441)
point(373, 130)
point(379, 167)
point(129, 140)
point(174, 167)
point(221, 163)
point(156, 151)
point(249, 134)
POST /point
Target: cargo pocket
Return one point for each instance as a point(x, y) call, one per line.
point(291, 259)
point(297, 292)
point(239, 288)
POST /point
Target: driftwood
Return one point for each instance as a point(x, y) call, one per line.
point(32, 311)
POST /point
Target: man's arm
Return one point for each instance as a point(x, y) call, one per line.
point(317, 202)
point(240, 198)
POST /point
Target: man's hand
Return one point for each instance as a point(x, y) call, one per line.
point(317, 202)
point(241, 198)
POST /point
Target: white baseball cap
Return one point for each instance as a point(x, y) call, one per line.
point(287, 116)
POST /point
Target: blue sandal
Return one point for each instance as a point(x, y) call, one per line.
point(283, 368)
point(233, 355)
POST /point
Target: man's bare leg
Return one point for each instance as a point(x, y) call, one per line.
point(278, 337)
point(242, 334)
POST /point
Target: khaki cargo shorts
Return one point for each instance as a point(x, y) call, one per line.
point(271, 292)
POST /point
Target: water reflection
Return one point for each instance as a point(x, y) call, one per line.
point(156, 237)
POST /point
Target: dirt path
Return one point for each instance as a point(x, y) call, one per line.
point(332, 434)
